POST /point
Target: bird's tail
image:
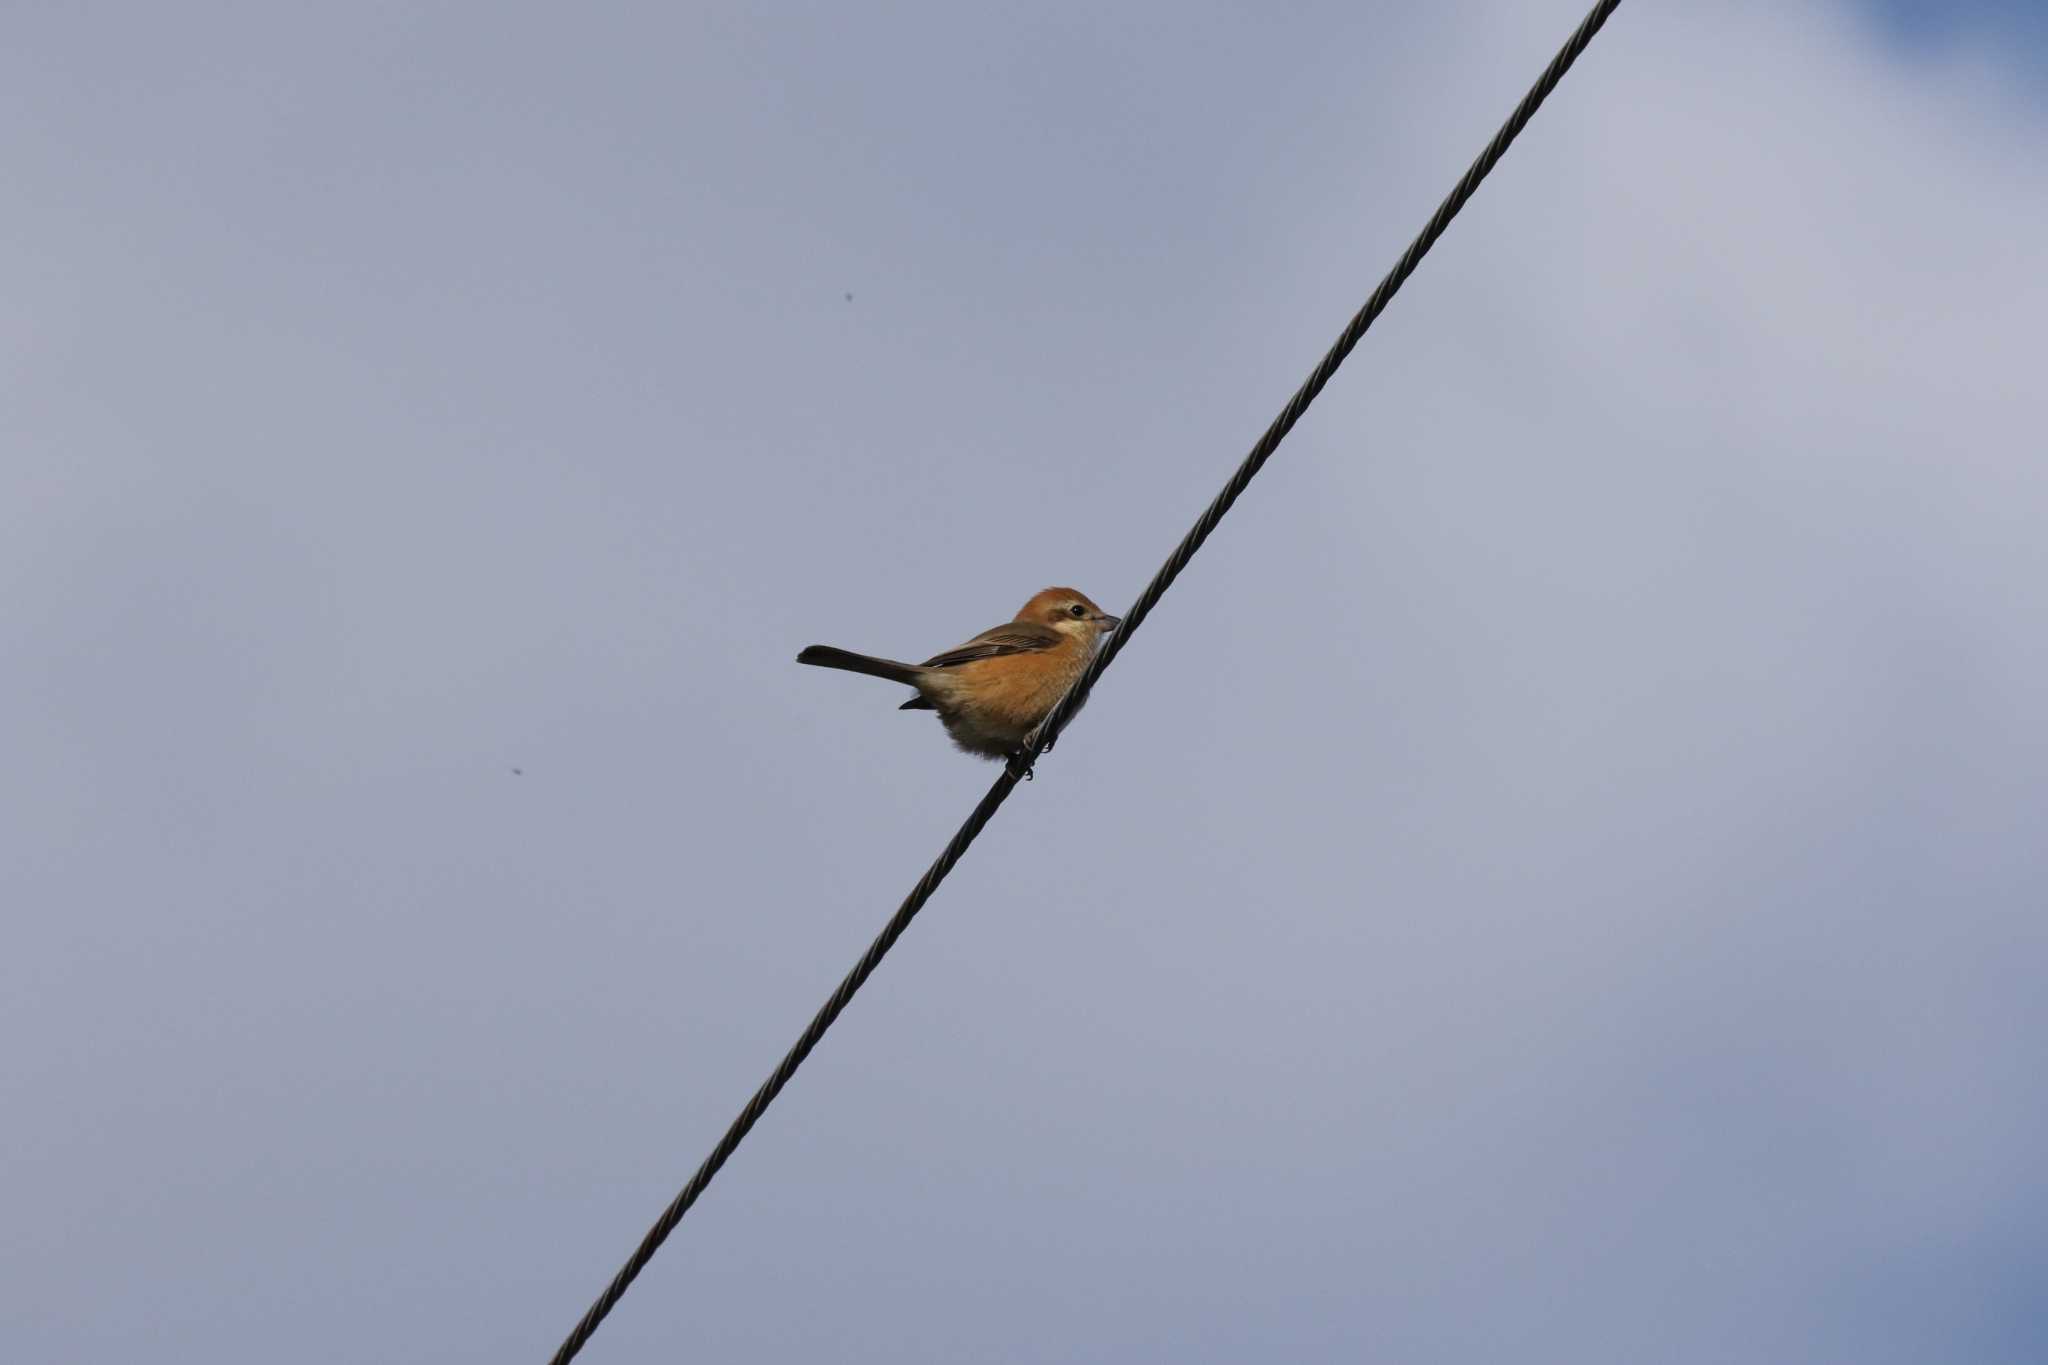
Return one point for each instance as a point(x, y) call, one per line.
point(825, 656)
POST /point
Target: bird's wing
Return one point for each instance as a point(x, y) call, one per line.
point(1012, 637)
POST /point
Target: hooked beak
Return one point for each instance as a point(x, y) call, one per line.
point(1107, 622)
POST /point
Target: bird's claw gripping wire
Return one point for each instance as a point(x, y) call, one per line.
point(1021, 763)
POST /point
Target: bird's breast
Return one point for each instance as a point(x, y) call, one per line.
point(1003, 697)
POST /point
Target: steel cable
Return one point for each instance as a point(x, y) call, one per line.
point(1049, 729)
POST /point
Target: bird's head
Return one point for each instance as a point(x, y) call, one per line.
point(1070, 613)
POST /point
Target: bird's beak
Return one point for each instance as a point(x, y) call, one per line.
point(1107, 622)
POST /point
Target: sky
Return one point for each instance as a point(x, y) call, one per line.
point(2018, 24)
point(1560, 878)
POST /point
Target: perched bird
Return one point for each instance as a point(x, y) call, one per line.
point(991, 691)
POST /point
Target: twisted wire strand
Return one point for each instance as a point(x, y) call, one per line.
point(1354, 331)
point(770, 1088)
point(1049, 729)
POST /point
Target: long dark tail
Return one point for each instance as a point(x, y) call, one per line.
point(825, 656)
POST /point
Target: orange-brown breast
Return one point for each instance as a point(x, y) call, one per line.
point(991, 704)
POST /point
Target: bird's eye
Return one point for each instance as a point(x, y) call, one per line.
point(1077, 610)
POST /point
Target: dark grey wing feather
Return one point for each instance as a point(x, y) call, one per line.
point(1012, 637)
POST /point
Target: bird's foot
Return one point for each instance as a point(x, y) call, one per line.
point(1019, 766)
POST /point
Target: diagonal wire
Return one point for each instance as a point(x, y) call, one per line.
point(1049, 729)
point(1353, 332)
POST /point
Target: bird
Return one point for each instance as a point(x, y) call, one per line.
point(993, 690)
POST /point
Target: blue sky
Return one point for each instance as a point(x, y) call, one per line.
point(1559, 879)
point(1938, 21)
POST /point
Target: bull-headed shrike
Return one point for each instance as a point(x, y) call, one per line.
point(992, 691)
